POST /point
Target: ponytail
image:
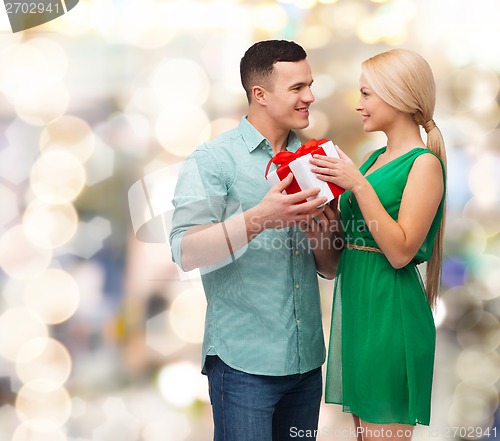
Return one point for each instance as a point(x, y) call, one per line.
point(435, 143)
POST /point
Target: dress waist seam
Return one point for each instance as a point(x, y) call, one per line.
point(363, 248)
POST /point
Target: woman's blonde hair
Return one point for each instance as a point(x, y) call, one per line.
point(404, 80)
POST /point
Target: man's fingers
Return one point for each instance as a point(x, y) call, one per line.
point(282, 185)
point(303, 195)
point(310, 206)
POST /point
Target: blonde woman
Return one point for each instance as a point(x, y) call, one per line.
point(382, 342)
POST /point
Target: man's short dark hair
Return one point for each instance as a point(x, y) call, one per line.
point(257, 64)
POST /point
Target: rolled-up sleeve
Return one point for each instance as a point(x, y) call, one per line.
point(199, 198)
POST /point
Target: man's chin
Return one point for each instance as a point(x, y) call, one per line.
point(302, 124)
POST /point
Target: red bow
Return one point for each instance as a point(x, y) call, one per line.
point(284, 158)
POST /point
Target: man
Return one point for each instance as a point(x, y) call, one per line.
point(263, 345)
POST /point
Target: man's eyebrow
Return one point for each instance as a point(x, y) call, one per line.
point(301, 83)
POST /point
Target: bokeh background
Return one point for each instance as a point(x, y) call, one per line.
point(100, 334)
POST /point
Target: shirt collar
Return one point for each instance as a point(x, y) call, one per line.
point(253, 138)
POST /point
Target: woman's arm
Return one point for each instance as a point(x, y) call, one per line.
point(399, 240)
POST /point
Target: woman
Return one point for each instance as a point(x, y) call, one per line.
point(382, 340)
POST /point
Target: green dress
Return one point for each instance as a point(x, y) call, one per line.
point(382, 338)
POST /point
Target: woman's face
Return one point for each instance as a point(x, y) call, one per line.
point(376, 114)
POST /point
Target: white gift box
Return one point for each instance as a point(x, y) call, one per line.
point(306, 179)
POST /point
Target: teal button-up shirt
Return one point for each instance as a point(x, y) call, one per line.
point(263, 303)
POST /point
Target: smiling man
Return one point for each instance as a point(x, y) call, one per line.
point(263, 346)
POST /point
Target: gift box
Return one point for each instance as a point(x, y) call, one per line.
point(298, 163)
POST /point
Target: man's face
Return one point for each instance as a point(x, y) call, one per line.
point(289, 95)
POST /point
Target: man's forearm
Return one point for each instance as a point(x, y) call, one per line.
point(205, 245)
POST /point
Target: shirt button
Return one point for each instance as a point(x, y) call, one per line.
point(297, 252)
point(298, 322)
point(297, 285)
point(263, 147)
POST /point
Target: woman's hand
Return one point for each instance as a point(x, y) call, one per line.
point(322, 233)
point(342, 172)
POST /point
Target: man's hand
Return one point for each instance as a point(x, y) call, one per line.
point(278, 210)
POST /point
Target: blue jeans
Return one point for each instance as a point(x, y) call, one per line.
point(263, 408)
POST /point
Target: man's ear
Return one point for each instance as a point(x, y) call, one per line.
point(259, 94)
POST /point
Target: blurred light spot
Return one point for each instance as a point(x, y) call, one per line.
point(221, 125)
point(79, 23)
point(388, 24)
point(479, 328)
point(143, 27)
point(19, 257)
point(55, 55)
point(475, 88)
point(460, 162)
point(10, 293)
point(9, 209)
point(16, 162)
point(18, 326)
point(126, 132)
point(18, 67)
point(43, 400)
point(225, 96)
point(440, 312)
point(68, 133)
point(479, 363)
point(324, 86)
point(327, 2)
point(160, 337)
point(53, 363)
point(180, 81)
point(465, 238)
point(473, 406)
point(32, 349)
point(49, 226)
point(187, 315)
point(484, 181)
point(459, 301)
point(53, 294)
point(172, 426)
point(182, 128)
point(90, 237)
point(269, 16)
point(486, 215)
point(181, 383)
point(120, 423)
point(315, 36)
point(79, 407)
point(344, 18)
point(302, 4)
point(453, 271)
point(43, 106)
point(39, 430)
point(57, 177)
point(485, 272)
point(319, 124)
point(101, 163)
point(491, 142)
point(181, 15)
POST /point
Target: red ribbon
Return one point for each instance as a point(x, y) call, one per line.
point(284, 158)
